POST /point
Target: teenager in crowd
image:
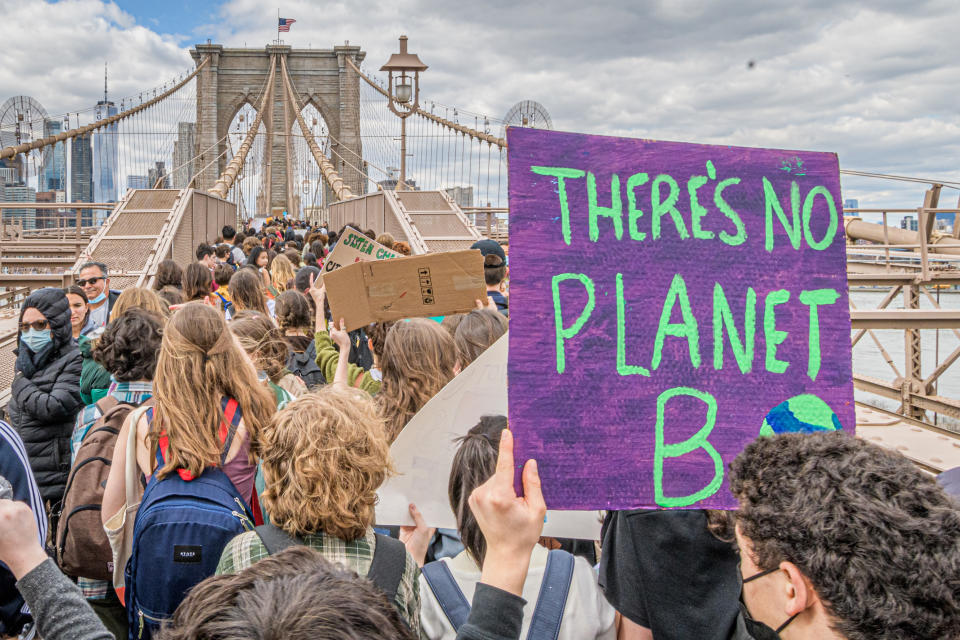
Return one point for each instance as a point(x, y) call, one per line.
point(200, 368)
point(259, 258)
point(169, 274)
point(419, 358)
point(45, 393)
point(142, 298)
point(265, 345)
point(402, 247)
point(475, 332)
point(197, 282)
point(318, 248)
point(294, 317)
point(221, 277)
point(249, 245)
point(282, 273)
point(386, 239)
point(310, 259)
point(128, 352)
point(324, 456)
point(246, 290)
point(293, 255)
point(79, 309)
point(585, 611)
point(207, 256)
point(841, 538)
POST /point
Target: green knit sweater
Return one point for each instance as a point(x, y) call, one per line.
point(327, 356)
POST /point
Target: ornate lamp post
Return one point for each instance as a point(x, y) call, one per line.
point(399, 68)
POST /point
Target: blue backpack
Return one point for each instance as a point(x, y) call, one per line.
point(181, 528)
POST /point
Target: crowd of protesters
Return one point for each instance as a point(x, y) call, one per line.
point(200, 460)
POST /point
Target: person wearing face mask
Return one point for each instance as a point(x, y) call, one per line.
point(94, 279)
point(45, 393)
point(842, 539)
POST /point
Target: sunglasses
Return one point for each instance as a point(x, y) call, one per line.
point(83, 283)
point(38, 325)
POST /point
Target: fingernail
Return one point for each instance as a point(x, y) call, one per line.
point(533, 465)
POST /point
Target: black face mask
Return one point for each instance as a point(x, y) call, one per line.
point(758, 630)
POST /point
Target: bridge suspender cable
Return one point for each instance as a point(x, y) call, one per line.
point(341, 190)
point(225, 181)
point(9, 152)
point(473, 133)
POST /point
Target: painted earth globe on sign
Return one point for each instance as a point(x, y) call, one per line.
point(805, 413)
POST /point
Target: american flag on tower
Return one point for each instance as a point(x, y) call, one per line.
point(285, 23)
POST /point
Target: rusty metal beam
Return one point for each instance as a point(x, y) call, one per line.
point(938, 404)
point(905, 318)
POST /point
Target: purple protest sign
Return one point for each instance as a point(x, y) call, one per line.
point(669, 302)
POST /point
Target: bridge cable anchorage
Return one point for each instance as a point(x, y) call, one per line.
point(473, 133)
point(341, 190)
point(225, 181)
point(11, 151)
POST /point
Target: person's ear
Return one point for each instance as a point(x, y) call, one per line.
point(798, 590)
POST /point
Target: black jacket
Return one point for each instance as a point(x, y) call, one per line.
point(45, 397)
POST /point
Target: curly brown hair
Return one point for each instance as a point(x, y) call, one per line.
point(878, 538)
point(324, 456)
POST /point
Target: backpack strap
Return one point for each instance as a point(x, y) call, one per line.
point(448, 593)
point(231, 414)
point(389, 561)
point(548, 613)
point(275, 539)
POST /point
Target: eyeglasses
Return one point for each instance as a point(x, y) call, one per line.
point(38, 325)
point(95, 280)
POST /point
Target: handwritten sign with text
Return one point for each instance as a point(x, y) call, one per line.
point(352, 247)
point(670, 302)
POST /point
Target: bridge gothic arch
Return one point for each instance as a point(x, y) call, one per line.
point(234, 77)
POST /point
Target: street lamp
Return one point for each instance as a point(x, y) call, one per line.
point(399, 68)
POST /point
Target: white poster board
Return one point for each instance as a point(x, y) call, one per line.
point(423, 452)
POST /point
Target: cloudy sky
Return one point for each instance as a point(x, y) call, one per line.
point(877, 82)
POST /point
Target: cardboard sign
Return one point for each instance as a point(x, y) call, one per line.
point(669, 303)
point(434, 284)
point(352, 247)
point(479, 390)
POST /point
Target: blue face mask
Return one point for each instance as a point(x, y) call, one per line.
point(36, 340)
point(99, 298)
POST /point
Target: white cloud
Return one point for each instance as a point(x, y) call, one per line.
point(873, 81)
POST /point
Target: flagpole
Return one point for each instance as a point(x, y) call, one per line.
point(278, 26)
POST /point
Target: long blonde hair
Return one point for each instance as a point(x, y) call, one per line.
point(200, 363)
point(139, 297)
point(324, 456)
point(281, 272)
point(419, 358)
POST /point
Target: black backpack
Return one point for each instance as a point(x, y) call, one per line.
point(386, 569)
point(305, 366)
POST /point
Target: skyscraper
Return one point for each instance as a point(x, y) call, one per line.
point(156, 173)
point(138, 182)
point(183, 152)
point(105, 151)
point(20, 193)
point(852, 203)
point(53, 174)
point(81, 174)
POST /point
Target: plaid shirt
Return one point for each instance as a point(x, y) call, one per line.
point(132, 393)
point(357, 555)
